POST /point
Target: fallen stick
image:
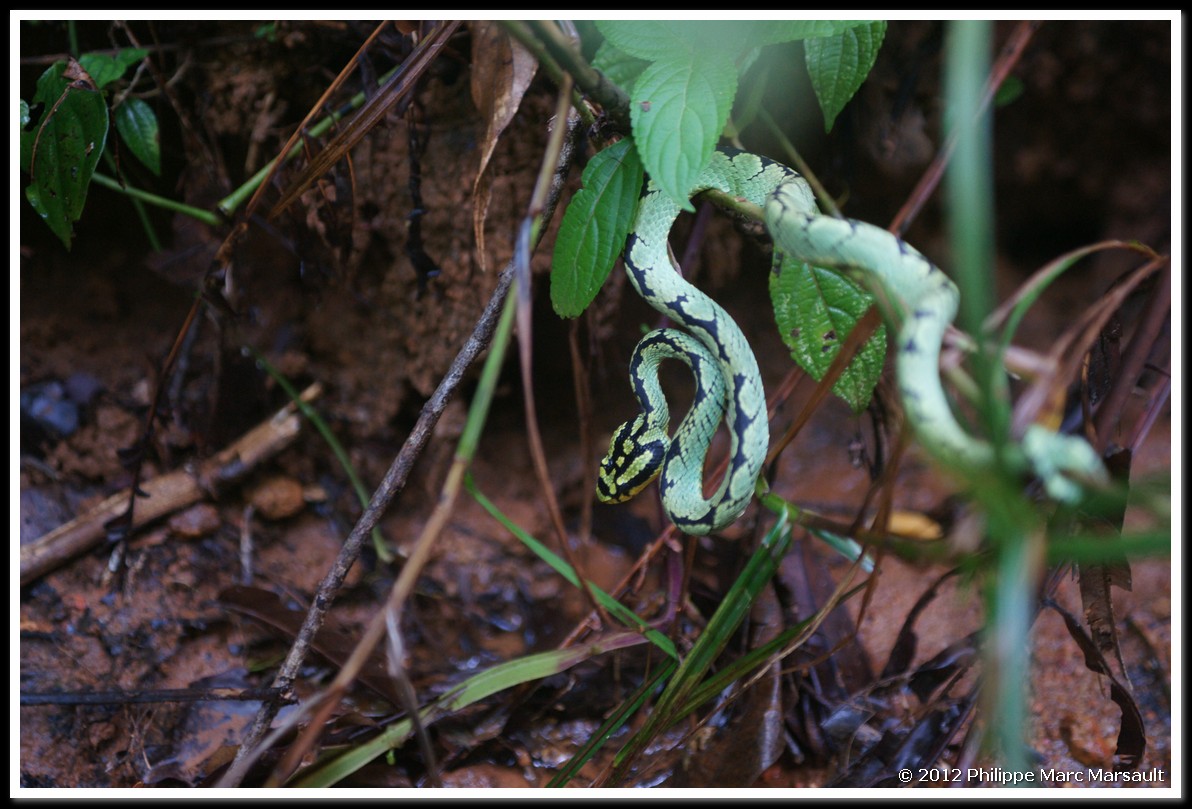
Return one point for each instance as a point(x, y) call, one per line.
point(166, 493)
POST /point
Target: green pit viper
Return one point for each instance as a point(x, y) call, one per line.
point(917, 297)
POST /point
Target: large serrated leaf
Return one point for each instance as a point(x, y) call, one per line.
point(647, 39)
point(838, 64)
point(815, 310)
point(61, 153)
point(106, 68)
point(790, 30)
point(137, 124)
point(617, 66)
point(678, 109)
point(665, 40)
point(594, 228)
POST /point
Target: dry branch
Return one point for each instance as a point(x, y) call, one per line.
point(166, 493)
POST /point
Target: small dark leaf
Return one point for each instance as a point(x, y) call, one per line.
point(942, 667)
point(137, 124)
point(1131, 741)
point(903, 651)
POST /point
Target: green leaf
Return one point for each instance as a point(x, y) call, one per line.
point(649, 39)
point(617, 66)
point(791, 30)
point(594, 228)
point(678, 110)
point(1009, 91)
point(105, 69)
point(815, 310)
point(839, 63)
point(63, 151)
point(501, 677)
point(137, 124)
point(660, 40)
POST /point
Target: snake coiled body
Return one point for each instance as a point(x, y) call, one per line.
point(915, 295)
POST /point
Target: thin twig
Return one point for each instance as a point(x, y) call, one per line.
point(525, 333)
point(531, 227)
point(821, 193)
point(1069, 350)
point(594, 83)
point(371, 114)
point(348, 69)
point(1010, 54)
point(150, 696)
point(1158, 400)
point(392, 485)
point(583, 407)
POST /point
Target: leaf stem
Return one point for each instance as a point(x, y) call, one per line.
point(206, 217)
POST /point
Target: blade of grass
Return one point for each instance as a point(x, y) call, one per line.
point(1013, 523)
point(337, 449)
point(481, 686)
point(846, 546)
point(733, 609)
point(616, 608)
point(611, 725)
point(968, 185)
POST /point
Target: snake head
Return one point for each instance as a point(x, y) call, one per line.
point(635, 455)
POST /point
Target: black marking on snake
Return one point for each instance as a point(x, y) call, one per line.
point(681, 520)
point(708, 326)
point(638, 481)
point(639, 387)
point(662, 338)
point(638, 276)
point(920, 314)
point(743, 419)
point(909, 347)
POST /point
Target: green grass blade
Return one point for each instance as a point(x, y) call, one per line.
point(611, 725)
point(733, 609)
point(616, 608)
point(337, 449)
point(499, 678)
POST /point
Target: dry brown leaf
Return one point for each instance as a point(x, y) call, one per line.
point(502, 70)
